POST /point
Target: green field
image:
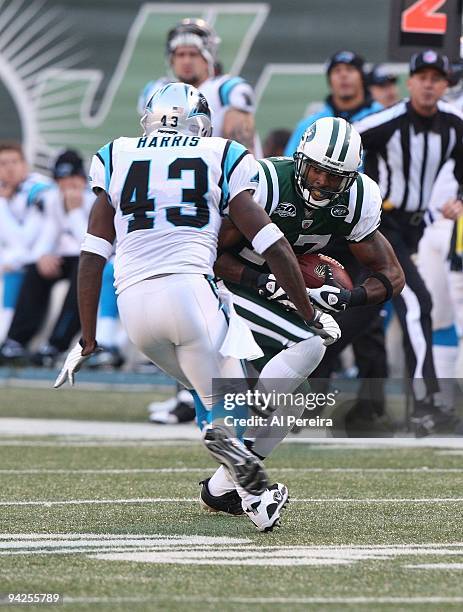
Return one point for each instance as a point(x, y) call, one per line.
point(118, 526)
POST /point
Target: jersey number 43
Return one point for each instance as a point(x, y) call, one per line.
point(135, 201)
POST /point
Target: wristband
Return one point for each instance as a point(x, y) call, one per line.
point(358, 296)
point(265, 237)
point(387, 285)
point(97, 245)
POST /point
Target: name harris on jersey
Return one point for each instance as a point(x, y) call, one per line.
point(168, 141)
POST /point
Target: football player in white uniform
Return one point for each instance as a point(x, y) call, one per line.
point(191, 56)
point(162, 197)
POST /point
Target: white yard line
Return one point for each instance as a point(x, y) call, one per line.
point(118, 431)
point(175, 500)
point(194, 470)
point(268, 600)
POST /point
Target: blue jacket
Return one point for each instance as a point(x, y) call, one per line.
point(328, 110)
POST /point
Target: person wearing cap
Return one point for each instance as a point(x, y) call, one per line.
point(348, 96)
point(382, 85)
point(405, 148)
point(21, 215)
point(191, 55)
point(54, 256)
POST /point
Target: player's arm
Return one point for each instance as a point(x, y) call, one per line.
point(385, 282)
point(96, 249)
point(238, 122)
point(239, 125)
point(387, 279)
point(91, 264)
point(267, 239)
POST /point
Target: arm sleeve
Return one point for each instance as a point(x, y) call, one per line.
point(242, 98)
point(370, 217)
point(241, 173)
point(98, 172)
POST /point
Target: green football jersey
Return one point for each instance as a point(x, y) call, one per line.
point(356, 214)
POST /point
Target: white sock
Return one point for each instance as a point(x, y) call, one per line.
point(221, 482)
point(247, 498)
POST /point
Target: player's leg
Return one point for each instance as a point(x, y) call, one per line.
point(292, 353)
point(31, 309)
point(183, 311)
point(67, 325)
point(196, 357)
point(12, 282)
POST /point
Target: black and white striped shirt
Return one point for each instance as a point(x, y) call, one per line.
point(404, 151)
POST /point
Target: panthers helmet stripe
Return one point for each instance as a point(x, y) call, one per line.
point(334, 137)
point(345, 146)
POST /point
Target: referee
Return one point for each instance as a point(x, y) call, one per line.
point(405, 147)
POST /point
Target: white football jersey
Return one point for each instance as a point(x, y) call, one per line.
point(222, 93)
point(169, 193)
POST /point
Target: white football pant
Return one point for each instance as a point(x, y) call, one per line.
point(177, 322)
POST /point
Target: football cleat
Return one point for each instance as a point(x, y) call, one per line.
point(265, 513)
point(244, 467)
point(230, 503)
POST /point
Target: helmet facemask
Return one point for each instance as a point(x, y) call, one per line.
point(338, 182)
point(327, 161)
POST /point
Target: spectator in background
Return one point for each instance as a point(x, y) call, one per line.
point(348, 97)
point(350, 100)
point(382, 85)
point(56, 257)
point(406, 147)
point(20, 223)
point(275, 143)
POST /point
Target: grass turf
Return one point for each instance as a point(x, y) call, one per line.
point(90, 583)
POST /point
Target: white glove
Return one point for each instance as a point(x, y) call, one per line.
point(72, 364)
point(325, 326)
point(330, 297)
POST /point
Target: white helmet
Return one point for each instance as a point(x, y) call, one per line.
point(331, 145)
point(177, 107)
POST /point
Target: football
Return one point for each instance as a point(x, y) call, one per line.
point(313, 268)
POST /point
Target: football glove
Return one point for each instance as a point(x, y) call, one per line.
point(330, 297)
point(268, 287)
point(325, 326)
point(72, 364)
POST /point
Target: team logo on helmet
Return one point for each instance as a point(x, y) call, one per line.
point(311, 133)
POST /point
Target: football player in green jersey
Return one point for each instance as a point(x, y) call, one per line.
point(318, 195)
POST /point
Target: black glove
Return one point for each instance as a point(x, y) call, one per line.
point(268, 288)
